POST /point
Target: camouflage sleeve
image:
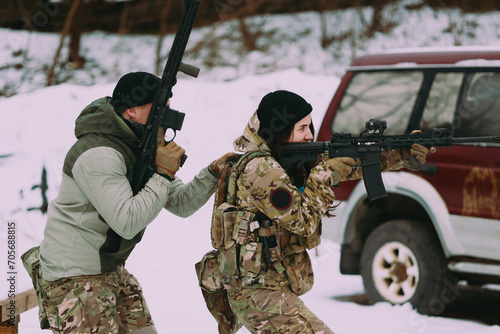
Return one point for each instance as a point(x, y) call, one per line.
point(392, 160)
point(267, 187)
point(389, 160)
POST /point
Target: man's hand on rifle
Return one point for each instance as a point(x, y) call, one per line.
point(168, 157)
point(217, 165)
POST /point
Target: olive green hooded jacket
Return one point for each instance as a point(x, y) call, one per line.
point(96, 221)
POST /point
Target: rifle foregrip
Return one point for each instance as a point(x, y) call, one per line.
point(414, 163)
point(190, 70)
point(183, 159)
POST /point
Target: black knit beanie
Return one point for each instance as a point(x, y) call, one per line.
point(134, 89)
point(279, 111)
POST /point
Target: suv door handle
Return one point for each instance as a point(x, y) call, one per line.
point(428, 169)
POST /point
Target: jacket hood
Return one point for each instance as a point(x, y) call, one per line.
point(99, 117)
point(250, 140)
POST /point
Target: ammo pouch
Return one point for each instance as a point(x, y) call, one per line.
point(293, 243)
point(240, 253)
point(314, 240)
point(215, 297)
point(31, 261)
point(298, 268)
point(208, 273)
point(229, 226)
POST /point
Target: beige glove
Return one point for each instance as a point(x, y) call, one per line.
point(217, 165)
point(397, 159)
point(418, 151)
point(342, 166)
point(168, 158)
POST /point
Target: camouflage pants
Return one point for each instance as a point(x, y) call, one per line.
point(267, 311)
point(111, 302)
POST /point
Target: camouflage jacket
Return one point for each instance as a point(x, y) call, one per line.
point(266, 187)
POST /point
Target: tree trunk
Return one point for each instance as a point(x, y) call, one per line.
point(64, 32)
point(75, 34)
point(122, 30)
point(162, 33)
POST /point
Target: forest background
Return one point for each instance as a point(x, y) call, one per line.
point(72, 19)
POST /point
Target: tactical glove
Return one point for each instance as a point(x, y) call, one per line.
point(342, 166)
point(397, 159)
point(168, 158)
point(418, 151)
point(217, 165)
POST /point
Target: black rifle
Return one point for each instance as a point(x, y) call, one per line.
point(161, 115)
point(367, 147)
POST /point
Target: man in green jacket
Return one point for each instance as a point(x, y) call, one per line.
point(96, 220)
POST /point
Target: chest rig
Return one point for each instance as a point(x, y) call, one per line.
point(250, 243)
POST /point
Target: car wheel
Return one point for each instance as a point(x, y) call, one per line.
point(402, 261)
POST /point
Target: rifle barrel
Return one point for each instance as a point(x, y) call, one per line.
point(481, 139)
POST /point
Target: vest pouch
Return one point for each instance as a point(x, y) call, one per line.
point(298, 268)
point(223, 221)
point(207, 270)
point(241, 226)
point(31, 262)
point(250, 260)
point(295, 245)
point(228, 267)
point(314, 240)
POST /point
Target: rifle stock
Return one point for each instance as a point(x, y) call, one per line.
point(368, 146)
point(161, 115)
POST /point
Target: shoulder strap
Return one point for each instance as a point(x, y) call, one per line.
point(221, 193)
point(237, 169)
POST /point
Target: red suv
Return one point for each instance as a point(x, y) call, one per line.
point(440, 225)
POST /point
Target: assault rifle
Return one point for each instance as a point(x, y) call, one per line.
point(161, 115)
point(368, 146)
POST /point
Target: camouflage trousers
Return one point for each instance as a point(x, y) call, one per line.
point(267, 311)
point(111, 302)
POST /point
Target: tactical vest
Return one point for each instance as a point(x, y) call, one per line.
point(248, 242)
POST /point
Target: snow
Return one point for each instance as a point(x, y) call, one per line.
point(38, 131)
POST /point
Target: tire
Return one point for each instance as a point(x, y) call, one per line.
point(402, 261)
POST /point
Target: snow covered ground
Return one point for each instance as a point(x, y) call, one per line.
point(38, 130)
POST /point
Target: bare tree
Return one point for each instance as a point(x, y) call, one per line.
point(64, 32)
point(161, 35)
point(122, 30)
point(75, 34)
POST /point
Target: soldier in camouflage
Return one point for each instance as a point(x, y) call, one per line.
point(263, 280)
point(96, 220)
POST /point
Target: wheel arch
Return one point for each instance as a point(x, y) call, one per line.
point(408, 197)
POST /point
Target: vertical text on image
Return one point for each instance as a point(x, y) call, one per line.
point(11, 270)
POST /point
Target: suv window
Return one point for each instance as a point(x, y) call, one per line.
point(479, 113)
point(386, 95)
point(442, 101)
